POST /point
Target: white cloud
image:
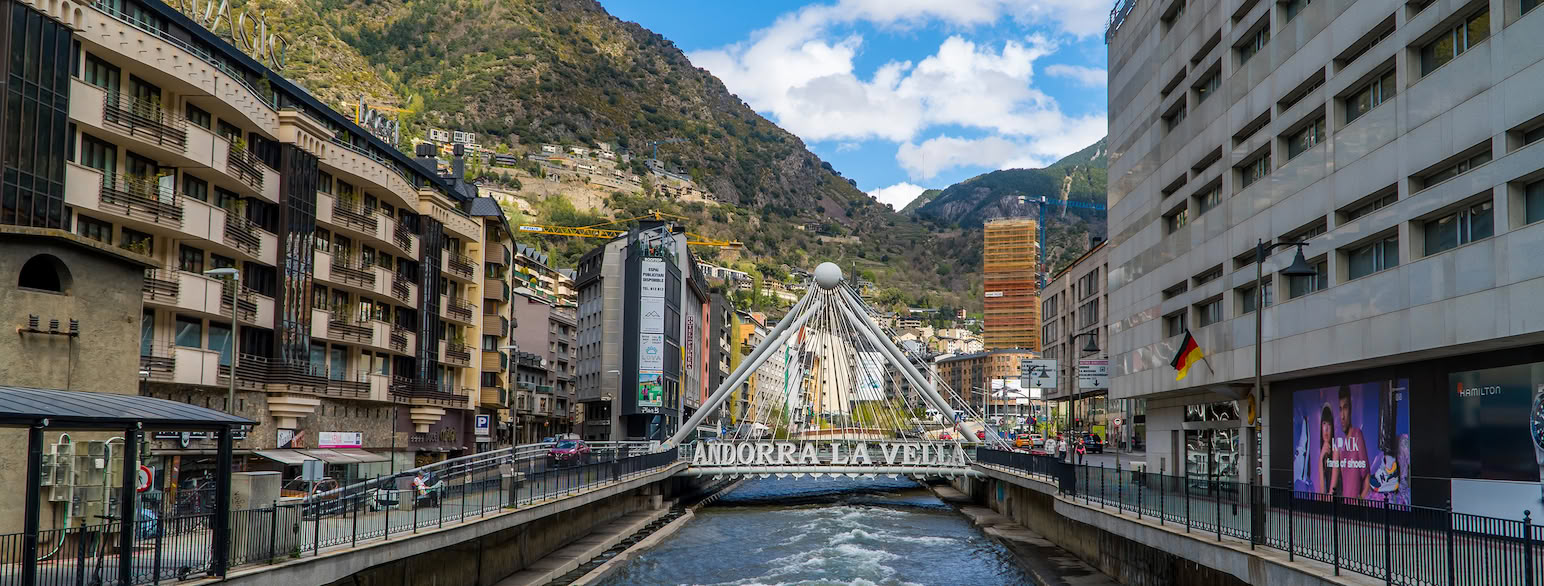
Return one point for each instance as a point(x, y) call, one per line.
point(1088, 76)
point(897, 195)
point(933, 156)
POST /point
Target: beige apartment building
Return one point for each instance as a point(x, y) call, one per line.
point(1401, 142)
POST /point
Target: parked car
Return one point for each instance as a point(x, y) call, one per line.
point(571, 451)
point(307, 492)
point(1093, 443)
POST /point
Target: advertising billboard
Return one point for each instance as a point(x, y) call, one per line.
point(1495, 423)
point(651, 390)
point(651, 352)
point(1353, 441)
point(652, 277)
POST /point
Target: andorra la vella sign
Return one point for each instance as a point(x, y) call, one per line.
point(246, 29)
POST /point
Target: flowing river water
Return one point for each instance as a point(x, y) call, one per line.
point(824, 531)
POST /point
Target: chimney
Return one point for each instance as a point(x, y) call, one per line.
point(1094, 241)
point(427, 155)
point(458, 163)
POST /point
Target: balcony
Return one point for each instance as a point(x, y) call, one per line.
point(495, 325)
point(401, 289)
point(497, 254)
point(349, 271)
point(459, 266)
point(245, 166)
point(159, 364)
point(149, 199)
point(404, 239)
point(343, 325)
point(456, 353)
point(399, 339)
point(349, 213)
point(424, 392)
point(496, 290)
point(459, 310)
point(161, 286)
point(494, 361)
point(145, 120)
point(242, 234)
point(246, 302)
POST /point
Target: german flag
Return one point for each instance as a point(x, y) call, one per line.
point(1189, 353)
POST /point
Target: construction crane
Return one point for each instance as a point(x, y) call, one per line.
point(597, 231)
point(1044, 202)
point(655, 145)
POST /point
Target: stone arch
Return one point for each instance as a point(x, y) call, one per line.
point(45, 272)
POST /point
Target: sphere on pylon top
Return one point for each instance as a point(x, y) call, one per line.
point(828, 275)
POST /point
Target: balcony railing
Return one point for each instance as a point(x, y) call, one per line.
point(159, 364)
point(399, 288)
point(460, 265)
point(116, 11)
point(460, 310)
point(457, 353)
point(353, 272)
point(143, 198)
point(409, 390)
point(349, 213)
point(344, 326)
point(398, 340)
point(161, 286)
point(241, 233)
point(495, 325)
point(245, 166)
point(145, 120)
point(246, 302)
point(264, 373)
point(401, 236)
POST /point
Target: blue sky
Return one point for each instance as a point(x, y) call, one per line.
point(903, 95)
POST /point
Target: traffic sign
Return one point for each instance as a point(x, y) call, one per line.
point(1037, 373)
point(1093, 374)
point(142, 479)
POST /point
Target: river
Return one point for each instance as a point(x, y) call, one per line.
point(824, 531)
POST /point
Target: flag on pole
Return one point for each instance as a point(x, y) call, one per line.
point(1189, 353)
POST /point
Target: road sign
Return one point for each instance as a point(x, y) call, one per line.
point(1037, 374)
point(142, 479)
point(1093, 374)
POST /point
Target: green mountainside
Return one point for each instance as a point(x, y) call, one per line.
point(1012, 193)
point(525, 72)
point(921, 200)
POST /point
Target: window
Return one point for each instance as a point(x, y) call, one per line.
point(1255, 43)
point(1533, 136)
point(198, 116)
point(220, 262)
point(219, 341)
point(101, 74)
point(1089, 284)
point(1248, 301)
point(190, 332)
point(1455, 41)
point(98, 231)
point(99, 155)
point(1294, 8)
point(1174, 324)
point(1255, 170)
point(1373, 205)
point(190, 259)
point(1300, 286)
point(1247, 257)
point(1176, 10)
point(1379, 255)
point(490, 343)
point(1302, 92)
point(1175, 220)
point(1209, 312)
point(1302, 140)
point(195, 188)
point(1208, 276)
point(1372, 39)
point(1317, 228)
point(1088, 314)
point(1473, 222)
point(1445, 173)
point(1529, 5)
point(1533, 202)
point(1174, 117)
point(1175, 291)
point(1370, 96)
point(136, 241)
point(319, 297)
point(1208, 85)
point(1209, 200)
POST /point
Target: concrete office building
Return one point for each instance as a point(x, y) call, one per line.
point(135, 128)
point(1401, 141)
point(1075, 311)
point(1012, 296)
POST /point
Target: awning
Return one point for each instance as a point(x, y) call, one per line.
point(331, 457)
point(294, 457)
point(362, 456)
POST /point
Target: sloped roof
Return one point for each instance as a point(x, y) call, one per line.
point(85, 410)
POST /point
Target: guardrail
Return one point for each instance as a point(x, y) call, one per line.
point(1397, 543)
point(1117, 17)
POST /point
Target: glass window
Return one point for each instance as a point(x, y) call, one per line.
point(1254, 45)
point(1375, 93)
point(1461, 227)
point(1208, 200)
point(101, 74)
point(98, 231)
point(195, 188)
point(136, 241)
point(198, 116)
point(219, 341)
point(1373, 257)
point(1305, 139)
point(1300, 286)
point(1248, 300)
point(1209, 313)
point(220, 262)
point(99, 155)
point(190, 332)
point(338, 365)
point(190, 259)
point(1454, 170)
point(1174, 324)
point(1208, 86)
point(146, 332)
point(1294, 8)
point(1455, 41)
point(1533, 202)
point(1529, 5)
point(1372, 206)
point(1256, 170)
point(1173, 222)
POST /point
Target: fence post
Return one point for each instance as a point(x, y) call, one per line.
point(1335, 531)
point(273, 532)
point(1140, 489)
point(1388, 549)
point(1448, 529)
point(414, 495)
point(316, 532)
point(1528, 547)
point(1254, 509)
point(80, 557)
point(353, 531)
point(1163, 509)
point(482, 494)
point(1101, 485)
point(1184, 482)
point(1217, 521)
point(1291, 525)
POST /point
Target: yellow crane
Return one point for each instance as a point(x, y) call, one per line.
point(596, 230)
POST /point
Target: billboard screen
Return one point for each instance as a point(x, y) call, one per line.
point(1495, 419)
point(1353, 441)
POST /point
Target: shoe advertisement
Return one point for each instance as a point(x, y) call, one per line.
point(1353, 441)
point(1497, 440)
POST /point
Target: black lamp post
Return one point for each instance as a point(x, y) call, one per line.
point(1298, 268)
point(1092, 347)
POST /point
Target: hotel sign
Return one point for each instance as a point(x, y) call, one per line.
point(246, 30)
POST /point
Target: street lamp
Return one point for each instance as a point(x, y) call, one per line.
point(235, 276)
point(509, 395)
point(1092, 347)
point(1298, 268)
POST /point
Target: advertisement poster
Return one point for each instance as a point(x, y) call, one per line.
point(1353, 441)
point(1495, 420)
point(653, 277)
point(651, 389)
point(291, 438)
point(340, 439)
point(652, 315)
point(651, 352)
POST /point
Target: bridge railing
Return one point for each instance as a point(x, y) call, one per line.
point(1391, 541)
point(852, 456)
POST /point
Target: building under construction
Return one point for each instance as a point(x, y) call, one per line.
point(1012, 297)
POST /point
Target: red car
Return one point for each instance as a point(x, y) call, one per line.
point(571, 451)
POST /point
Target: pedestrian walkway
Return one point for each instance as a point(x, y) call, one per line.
point(1048, 563)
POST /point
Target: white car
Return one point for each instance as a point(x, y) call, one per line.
point(1036, 440)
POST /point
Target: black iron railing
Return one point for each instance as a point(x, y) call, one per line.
point(460, 265)
point(244, 165)
point(141, 198)
point(241, 233)
point(145, 120)
point(1393, 542)
point(161, 285)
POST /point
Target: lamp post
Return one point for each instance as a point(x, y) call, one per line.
point(1298, 268)
point(509, 392)
point(1091, 347)
point(235, 276)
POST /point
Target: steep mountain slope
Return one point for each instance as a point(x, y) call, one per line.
point(922, 200)
point(1078, 178)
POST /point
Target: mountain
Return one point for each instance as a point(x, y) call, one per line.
point(921, 200)
point(1078, 179)
point(525, 72)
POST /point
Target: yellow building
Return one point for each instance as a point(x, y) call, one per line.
point(1012, 298)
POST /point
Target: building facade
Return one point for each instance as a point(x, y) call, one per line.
point(1401, 141)
point(1012, 297)
point(359, 292)
point(972, 376)
point(1075, 310)
point(547, 393)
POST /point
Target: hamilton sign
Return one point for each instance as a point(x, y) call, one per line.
point(834, 454)
point(248, 31)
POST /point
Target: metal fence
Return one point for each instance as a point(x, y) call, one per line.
point(1399, 544)
point(178, 547)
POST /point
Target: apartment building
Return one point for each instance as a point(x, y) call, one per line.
point(1012, 296)
point(972, 376)
point(1075, 311)
point(545, 395)
point(1401, 142)
point(534, 271)
point(131, 126)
